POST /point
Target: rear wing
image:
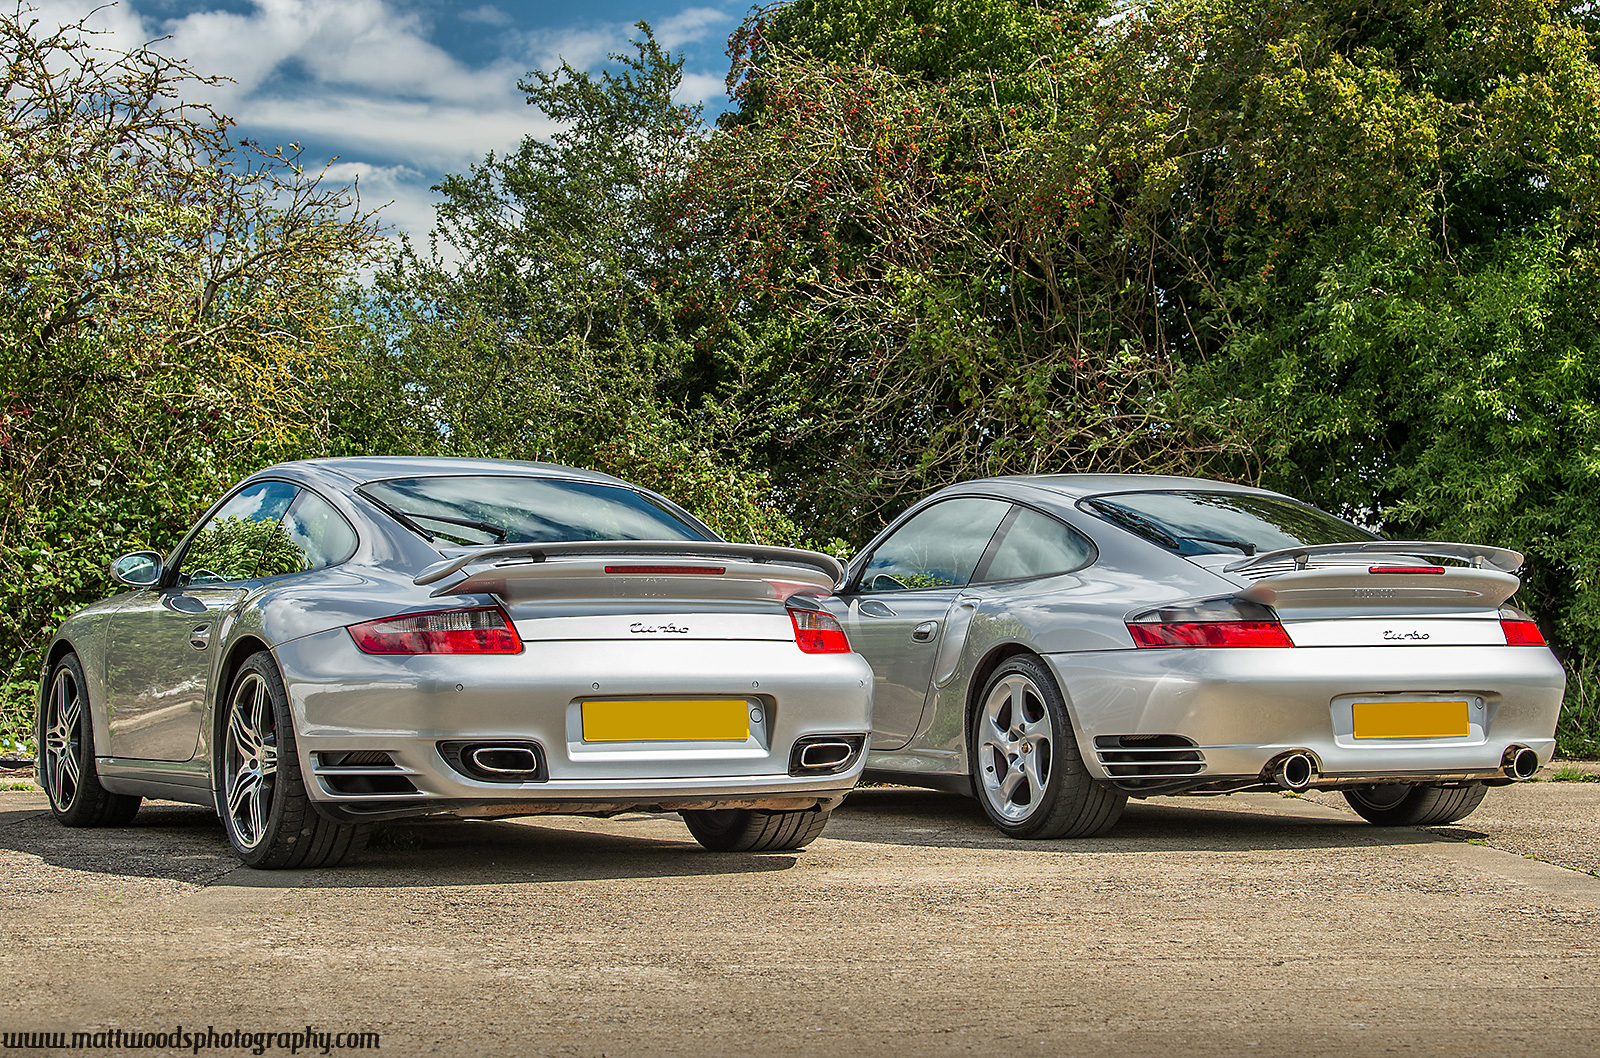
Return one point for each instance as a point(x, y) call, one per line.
point(701, 569)
point(1476, 555)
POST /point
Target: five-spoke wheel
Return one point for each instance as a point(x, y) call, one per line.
point(66, 754)
point(261, 795)
point(1014, 742)
point(250, 758)
point(1026, 767)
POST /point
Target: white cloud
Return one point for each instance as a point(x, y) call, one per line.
point(487, 14)
point(362, 78)
point(361, 44)
point(403, 193)
point(689, 25)
point(424, 135)
point(702, 88)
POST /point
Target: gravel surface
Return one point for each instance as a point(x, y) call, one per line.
point(1218, 926)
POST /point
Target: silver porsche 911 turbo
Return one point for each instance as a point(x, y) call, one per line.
point(346, 640)
point(1056, 644)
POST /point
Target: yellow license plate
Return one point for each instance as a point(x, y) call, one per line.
point(675, 720)
point(1392, 719)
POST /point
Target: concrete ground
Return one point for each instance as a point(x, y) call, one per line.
point(1252, 924)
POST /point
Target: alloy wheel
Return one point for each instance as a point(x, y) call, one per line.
point(250, 759)
point(1014, 743)
point(63, 739)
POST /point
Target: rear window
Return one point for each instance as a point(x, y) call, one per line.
point(493, 509)
point(1205, 523)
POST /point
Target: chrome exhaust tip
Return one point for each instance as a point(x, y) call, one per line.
point(503, 760)
point(1519, 763)
point(1295, 772)
point(496, 761)
point(825, 754)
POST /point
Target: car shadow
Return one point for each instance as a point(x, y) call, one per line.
point(186, 844)
point(907, 816)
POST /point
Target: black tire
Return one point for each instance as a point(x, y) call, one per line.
point(260, 791)
point(1026, 769)
point(1407, 805)
point(755, 829)
point(64, 733)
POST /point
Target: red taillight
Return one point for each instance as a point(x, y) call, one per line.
point(482, 630)
point(816, 632)
point(1522, 633)
point(1405, 569)
point(651, 571)
point(1210, 634)
point(1519, 628)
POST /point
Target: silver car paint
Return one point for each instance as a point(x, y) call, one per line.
point(1244, 706)
point(302, 618)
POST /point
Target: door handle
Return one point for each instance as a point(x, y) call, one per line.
point(200, 638)
point(874, 608)
point(923, 633)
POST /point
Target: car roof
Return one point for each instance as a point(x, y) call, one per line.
point(1077, 486)
point(359, 470)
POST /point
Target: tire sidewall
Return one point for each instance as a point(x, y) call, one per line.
point(1061, 731)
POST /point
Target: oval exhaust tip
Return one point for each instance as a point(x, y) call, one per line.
point(825, 754)
point(504, 760)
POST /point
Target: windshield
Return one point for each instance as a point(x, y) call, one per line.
point(489, 509)
point(1207, 523)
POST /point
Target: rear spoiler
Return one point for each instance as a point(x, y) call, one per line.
point(1500, 558)
point(527, 569)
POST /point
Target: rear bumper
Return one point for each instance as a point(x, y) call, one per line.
point(346, 701)
point(1243, 709)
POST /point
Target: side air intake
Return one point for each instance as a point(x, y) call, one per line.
point(1136, 761)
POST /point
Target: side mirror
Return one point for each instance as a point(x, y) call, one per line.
point(138, 570)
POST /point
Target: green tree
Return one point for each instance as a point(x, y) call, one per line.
point(1382, 224)
point(927, 216)
point(166, 315)
point(547, 323)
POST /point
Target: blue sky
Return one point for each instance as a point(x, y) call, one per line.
point(402, 91)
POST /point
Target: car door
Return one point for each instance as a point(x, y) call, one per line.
point(161, 645)
point(897, 607)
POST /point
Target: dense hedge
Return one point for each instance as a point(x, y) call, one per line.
point(1345, 252)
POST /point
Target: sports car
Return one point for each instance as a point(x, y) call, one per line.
point(1056, 644)
point(347, 640)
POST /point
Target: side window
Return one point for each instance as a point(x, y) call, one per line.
point(1036, 545)
point(939, 547)
point(233, 542)
point(320, 535)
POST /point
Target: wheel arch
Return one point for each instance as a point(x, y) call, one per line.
point(58, 649)
point(239, 651)
point(997, 655)
point(53, 654)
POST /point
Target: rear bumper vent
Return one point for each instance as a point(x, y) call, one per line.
point(825, 754)
point(508, 761)
point(361, 773)
point(1148, 760)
